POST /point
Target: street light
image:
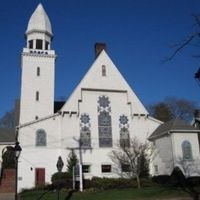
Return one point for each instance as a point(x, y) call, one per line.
point(17, 150)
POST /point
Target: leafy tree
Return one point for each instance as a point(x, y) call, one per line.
point(71, 162)
point(173, 107)
point(135, 157)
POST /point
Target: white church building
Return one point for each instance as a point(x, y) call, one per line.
point(102, 110)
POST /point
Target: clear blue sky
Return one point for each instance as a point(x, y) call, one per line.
point(138, 34)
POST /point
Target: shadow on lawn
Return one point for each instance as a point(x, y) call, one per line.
point(69, 195)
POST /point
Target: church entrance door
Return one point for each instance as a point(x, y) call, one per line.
point(39, 176)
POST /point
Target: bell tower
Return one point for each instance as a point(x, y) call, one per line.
point(38, 69)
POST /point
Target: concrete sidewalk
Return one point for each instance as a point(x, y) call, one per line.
point(7, 196)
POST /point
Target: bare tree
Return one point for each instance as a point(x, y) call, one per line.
point(192, 40)
point(172, 107)
point(133, 158)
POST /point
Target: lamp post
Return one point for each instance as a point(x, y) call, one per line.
point(17, 150)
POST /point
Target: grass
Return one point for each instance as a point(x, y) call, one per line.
point(126, 194)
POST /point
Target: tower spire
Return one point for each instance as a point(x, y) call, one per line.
point(39, 22)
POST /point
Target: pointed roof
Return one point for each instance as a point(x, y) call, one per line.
point(113, 81)
point(174, 125)
point(39, 21)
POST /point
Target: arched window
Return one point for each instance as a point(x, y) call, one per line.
point(104, 122)
point(41, 139)
point(187, 150)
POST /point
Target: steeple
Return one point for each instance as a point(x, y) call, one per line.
point(39, 32)
point(38, 69)
point(39, 22)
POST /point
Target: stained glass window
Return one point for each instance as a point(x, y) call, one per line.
point(41, 138)
point(187, 150)
point(103, 101)
point(104, 122)
point(85, 118)
point(124, 138)
point(85, 137)
point(123, 119)
point(124, 132)
point(85, 133)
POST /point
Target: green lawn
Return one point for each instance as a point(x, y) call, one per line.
point(126, 194)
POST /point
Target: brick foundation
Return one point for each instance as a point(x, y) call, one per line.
point(7, 184)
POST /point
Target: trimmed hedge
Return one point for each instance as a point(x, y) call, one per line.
point(114, 183)
point(64, 180)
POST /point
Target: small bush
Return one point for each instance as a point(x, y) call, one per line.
point(61, 180)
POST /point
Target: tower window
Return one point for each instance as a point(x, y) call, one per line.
point(103, 70)
point(38, 71)
point(46, 45)
point(38, 44)
point(30, 42)
point(37, 96)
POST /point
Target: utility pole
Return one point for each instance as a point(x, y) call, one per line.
point(80, 167)
point(79, 148)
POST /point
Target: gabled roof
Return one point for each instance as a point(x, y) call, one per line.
point(174, 125)
point(39, 21)
point(113, 82)
point(7, 136)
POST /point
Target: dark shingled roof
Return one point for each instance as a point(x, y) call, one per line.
point(7, 135)
point(58, 105)
point(174, 125)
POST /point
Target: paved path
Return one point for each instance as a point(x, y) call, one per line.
point(7, 196)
